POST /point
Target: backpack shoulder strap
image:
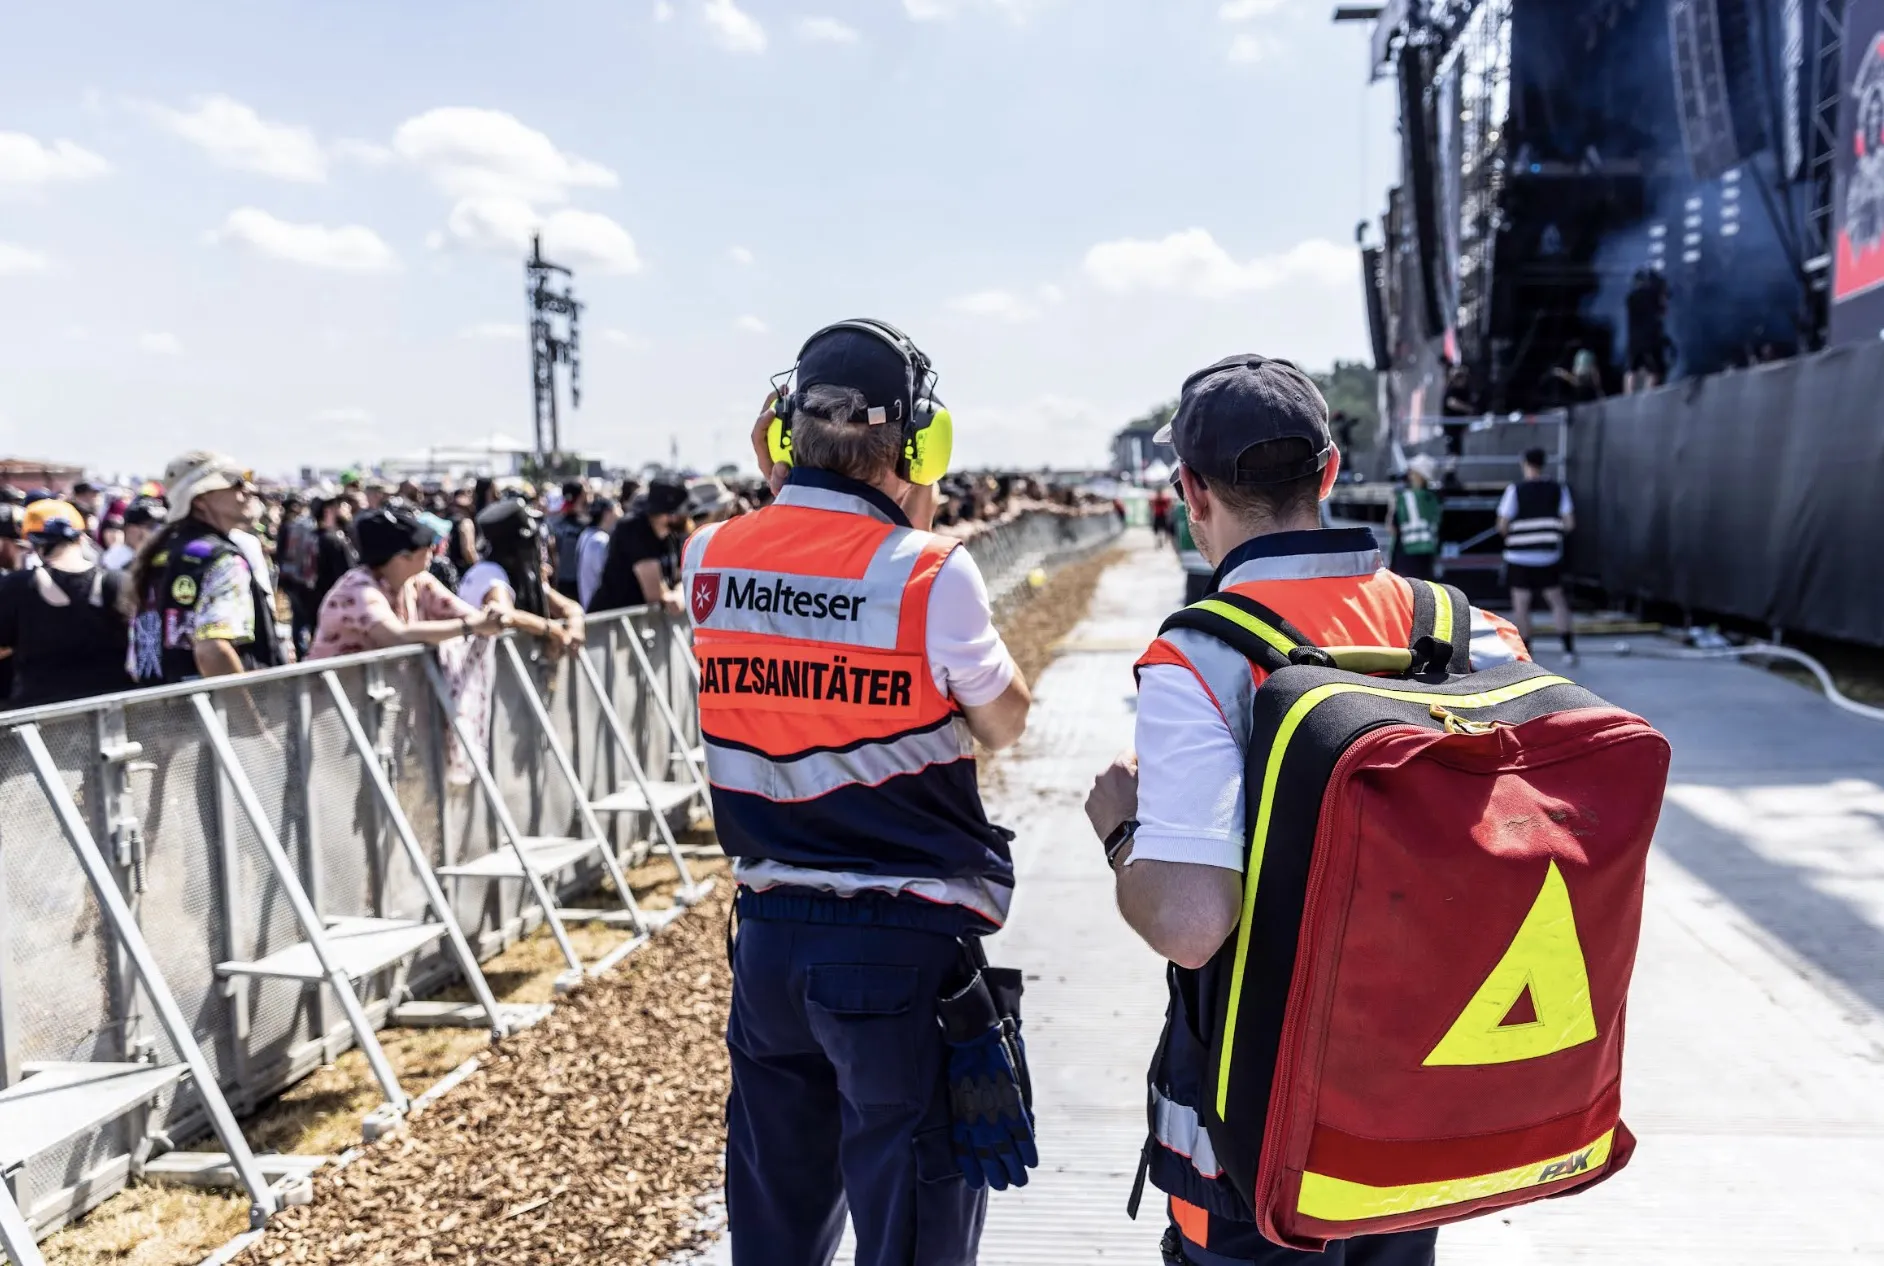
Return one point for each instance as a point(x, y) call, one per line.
point(1442, 618)
point(1245, 625)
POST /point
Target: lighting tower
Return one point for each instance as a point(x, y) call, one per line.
point(547, 350)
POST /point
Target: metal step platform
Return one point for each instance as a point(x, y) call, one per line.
point(59, 1101)
point(360, 947)
point(667, 796)
point(548, 854)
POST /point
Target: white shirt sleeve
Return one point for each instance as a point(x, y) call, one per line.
point(479, 579)
point(1508, 504)
point(1564, 509)
point(966, 654)
point(1190, 774)
point(590, 559)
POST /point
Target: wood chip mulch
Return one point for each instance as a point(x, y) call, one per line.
point(587, 1139)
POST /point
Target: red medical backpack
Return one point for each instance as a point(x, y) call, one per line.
point(1422, 1015)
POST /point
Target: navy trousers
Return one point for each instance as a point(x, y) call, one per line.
point(840, 1098)
point(1240, 1244)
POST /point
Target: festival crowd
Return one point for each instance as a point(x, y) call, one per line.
point(210, 572)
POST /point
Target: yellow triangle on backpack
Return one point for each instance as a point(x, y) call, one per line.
point(1545, 960)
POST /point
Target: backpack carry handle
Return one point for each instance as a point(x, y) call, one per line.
point(1442, 629)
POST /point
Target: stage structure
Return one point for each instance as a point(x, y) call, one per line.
point(1556, 151)
point(552, 299)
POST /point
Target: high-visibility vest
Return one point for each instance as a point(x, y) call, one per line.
point(835, 762)
point(1536, 532)
point(1339, 595)
point(1416, 514)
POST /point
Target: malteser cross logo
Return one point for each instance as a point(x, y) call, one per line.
point(705, 595)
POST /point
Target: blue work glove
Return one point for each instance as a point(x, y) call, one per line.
point(993, 1130)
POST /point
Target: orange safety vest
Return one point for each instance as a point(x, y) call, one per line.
point(836, 763)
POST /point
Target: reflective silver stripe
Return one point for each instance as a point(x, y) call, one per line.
point(820, 773)
point(1307, 567)
point(1225, 673)
point(1488, 649)
point(826, 499)
point(1551, 524)
point(696, 547)
point(1533, 541)
point(1176, 1127)
point(861, 612)
point(984, 896)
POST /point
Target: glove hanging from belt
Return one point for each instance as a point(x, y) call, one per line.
point(990, 1093)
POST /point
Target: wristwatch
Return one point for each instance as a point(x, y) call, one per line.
point(1117, 841)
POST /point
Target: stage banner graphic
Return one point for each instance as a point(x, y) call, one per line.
point(1858, 269)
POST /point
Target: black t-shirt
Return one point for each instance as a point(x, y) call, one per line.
point(633, 541)
point(70, 652)
point(334, 557)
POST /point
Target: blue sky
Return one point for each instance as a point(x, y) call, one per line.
point(293, 230)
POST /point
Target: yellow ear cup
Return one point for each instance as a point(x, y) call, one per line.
point(930, 448)
point(779, 441)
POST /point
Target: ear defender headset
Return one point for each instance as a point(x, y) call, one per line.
point(928, 431)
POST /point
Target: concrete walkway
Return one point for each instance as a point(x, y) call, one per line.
point(1756, 1059)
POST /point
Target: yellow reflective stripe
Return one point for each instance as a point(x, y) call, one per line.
point(1249, 622)
point(1338, 1200)
point(1371, 659)
point(1442, 617)
point(1259, 838)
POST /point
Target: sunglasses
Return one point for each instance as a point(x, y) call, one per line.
point(1177, 483)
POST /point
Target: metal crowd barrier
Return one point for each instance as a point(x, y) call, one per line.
point(209, 890)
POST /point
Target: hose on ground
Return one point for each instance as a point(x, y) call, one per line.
point(1760, 650)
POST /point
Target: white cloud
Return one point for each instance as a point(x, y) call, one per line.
point(365, 153)
point(234, 135)
point(942, 10)
point(469, 152)
point(624, 338)
point(1002, 305)
point(663, 11)
point(15, 260)
point(26, 160)
point(351, 248)
point(732, 28)
point(752, 325)
point(1248, 48)
point(160, 344)
point(739, 255)
point(1192, 263)
point(827, 31)
point(1244, 10)
point(576, 238)
point(501, 330)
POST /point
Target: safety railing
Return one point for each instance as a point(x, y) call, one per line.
point(209, 890)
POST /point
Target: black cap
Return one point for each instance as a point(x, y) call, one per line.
point(666, 496)
point(390, 530)
point(1239, 403)
point(507, 522)
point(864, 362)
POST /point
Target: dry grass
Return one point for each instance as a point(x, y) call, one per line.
point(151, 1226)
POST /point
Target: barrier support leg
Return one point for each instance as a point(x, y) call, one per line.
point(16, 1238)
point(689, 893)
point(506, 825)
point(304, 912)
point(560, 755)
point(409, 841)
point(176, 1027)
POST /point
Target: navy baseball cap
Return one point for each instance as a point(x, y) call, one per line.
point(847, 357)
point(1242, 402)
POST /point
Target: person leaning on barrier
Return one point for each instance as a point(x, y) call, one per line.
point(592, 550)
point(640, 570)
point(391, 598)
point(201, 610)
point(1255, 460)
point(512, 579)
point(848, 662)
point(64, 621)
